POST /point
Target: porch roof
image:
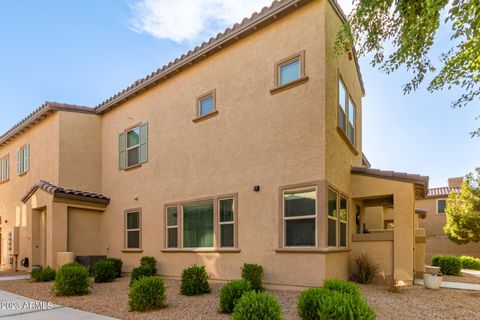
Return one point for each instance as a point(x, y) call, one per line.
point(66, 193)
point(421, 182)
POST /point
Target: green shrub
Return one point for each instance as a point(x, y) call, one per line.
point(194, 281)
point(257, 306)
point(470, 262)
point(118, 266)
point(71, 280)
point(254, 273)
point(150, 262)
point(364, 268)
point(147, 293)
point(322, 303)
point(436, 260)
point(140, 272)
point(104, 271)
point(42, 275)
point(231, 293)
point(342, 286)
point(450, 265)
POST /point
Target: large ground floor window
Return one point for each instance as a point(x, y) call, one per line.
point(300, 216)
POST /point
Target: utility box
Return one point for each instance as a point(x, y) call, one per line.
point(12, 241)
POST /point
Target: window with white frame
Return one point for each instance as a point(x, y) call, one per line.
point(226, 222)
point(172, 227)
point(337, 220)
point(300, 216)
point(23, 159)
point(332, 218)
point(5, 168)
point(441, 205)
point(346, 112)
point(133, 146)
point(132, 230)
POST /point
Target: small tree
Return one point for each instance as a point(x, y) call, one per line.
point(463, 211)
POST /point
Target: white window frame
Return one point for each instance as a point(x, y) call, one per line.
point(335, 218)
point(348, 101)
point(338, 219)
point(23, 165)
point(436, 205)
point(232, 222)
point(137, 146)
point(285, 219)
point(139, 229)
point(171, 227)
point(5, 168)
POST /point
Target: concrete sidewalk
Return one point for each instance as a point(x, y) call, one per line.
point(453, 285)
point(16, 307)
point(10, 278)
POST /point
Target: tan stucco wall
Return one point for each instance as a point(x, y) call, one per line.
point(381, 252)
point(373, 218)
point(83, 232)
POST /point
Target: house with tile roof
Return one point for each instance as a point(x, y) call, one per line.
point(437, 242)
point(247, 148)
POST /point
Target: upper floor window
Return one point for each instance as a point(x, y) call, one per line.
point(289, 72)
point(5, 168)
point(133, 146)
point(346, 112)
point(23, 159)
point(299, 217)
point(206, 106)
point(441, 205)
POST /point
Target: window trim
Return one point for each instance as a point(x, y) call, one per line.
point(340, 195)
point(277, 87)
point(202, 97)
point(5, 164)
point(220, 223)
point(125, 230)
point(436, 206)
point(344, 133)
point(131, 148)
point(216, 226)
point(285, 219)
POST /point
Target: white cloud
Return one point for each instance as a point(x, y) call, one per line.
point(189, 20)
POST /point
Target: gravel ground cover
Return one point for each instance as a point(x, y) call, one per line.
point(111, 299)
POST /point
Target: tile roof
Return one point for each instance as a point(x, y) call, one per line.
point(66, 193)
point(248, 26)
point(442, 192)
point(421, 182)
point(38, 115)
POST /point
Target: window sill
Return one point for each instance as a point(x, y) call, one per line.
point(229, 250)
point(132, 250)
point(205, 117)
point(311, 250)
point(347, 141)
point(4, 181)
point(289, 85)
point(23, 174)
point(133, 167)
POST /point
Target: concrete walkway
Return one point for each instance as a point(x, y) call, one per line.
point(17, 307)
point(454, 285)
point(10, 278)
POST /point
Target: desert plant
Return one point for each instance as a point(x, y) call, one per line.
point(71, 280)
point(147, 293)
point(118, 266)
point(257, 305)
point(254, 273)
point(470, 262)
point(140, 272)
point(150, 262)
point(341, 286)
point(194, 281)
point(364, 268)
point(322, 303)
point(436, 260)
point(231, 293)
point(450, 265)
point(42, 275)
point(104, 271)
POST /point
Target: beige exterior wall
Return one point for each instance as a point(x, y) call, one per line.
point(83, 232)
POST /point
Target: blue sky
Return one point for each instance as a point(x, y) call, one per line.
point(82, 52)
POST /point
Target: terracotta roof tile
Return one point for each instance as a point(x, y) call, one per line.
point(442, 192)
point(66, 193)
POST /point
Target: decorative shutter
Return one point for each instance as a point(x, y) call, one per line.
point(122, 146)
point(144, 143)
point(26, 158)
point(19, 161)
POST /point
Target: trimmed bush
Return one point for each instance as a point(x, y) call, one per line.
point(231, 293)
point(147, 293)
point(364, 269)
point(450, 265)
point(104, 271)
point(322, 303)
point(141, 272)
point(118, 266)
point(342, 286)
point(71, 280)
point(257, 305)
point(436, 260)
point(150, 262)
point(470, 263)
point(194, 281)
point(254, 273)
point(43, 275)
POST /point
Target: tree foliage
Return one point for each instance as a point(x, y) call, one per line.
point(463, 211)
point(408, 28)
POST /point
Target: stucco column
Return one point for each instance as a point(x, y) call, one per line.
point(57, 225)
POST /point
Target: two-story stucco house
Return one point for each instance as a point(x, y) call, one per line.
point(246, 149)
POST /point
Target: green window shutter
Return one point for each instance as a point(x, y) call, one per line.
point(26, 158)
point(122, 156)
point(144, 143)
point(19, 161)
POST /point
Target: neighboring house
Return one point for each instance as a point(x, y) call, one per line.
point(437, 242)
point(246, 149)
